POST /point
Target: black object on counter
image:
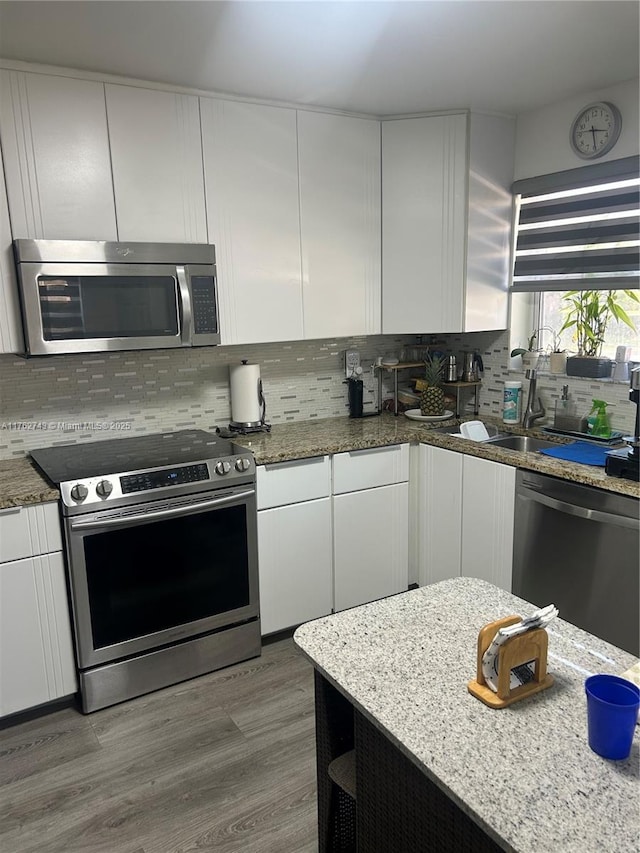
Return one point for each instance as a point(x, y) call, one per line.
point(626, 463)
point(356, 399)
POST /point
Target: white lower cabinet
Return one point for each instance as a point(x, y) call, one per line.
point(327, 543)
point(465, 517)
point(488, 501)
point(36, 651)
point(370, 524)
point(294, 542)
point(370, 530)
point(294, 547)
point(440, 514)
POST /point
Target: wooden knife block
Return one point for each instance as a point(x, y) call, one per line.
point(530, 646)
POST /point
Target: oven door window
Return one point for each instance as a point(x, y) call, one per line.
point(114, 306)
point(150, 577)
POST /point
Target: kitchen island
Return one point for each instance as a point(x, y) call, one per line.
point(438, 770)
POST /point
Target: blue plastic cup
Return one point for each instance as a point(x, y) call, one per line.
point(612, 713)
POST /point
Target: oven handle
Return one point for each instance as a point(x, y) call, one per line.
point(163, 513)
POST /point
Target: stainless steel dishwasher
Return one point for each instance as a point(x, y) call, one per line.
point(578, 547)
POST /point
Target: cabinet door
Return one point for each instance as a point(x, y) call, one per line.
point(294, 553)
point(487, 521)
point(491, 153)
point(56, 153)
point(251, 185)
point(293, 482)
point(440, 514)
point(10, 326)
point(36, 652)
point(356, 470)
point(424, 209)
point(370, 551)
point(340, 224)
point(156, 153)
point(26, 531)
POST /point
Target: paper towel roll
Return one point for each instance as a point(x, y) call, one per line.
point(245, 402)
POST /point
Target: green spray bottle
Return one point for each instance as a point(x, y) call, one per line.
point(598, 420)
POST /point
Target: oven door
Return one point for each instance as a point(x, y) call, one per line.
point(157, 573)
point(79, 307)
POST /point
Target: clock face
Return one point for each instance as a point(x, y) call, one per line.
point(595, 130)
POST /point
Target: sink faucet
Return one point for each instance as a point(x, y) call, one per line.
point(531, 414)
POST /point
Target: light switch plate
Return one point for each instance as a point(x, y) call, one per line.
point(351, 362)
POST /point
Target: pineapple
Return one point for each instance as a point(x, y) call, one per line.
point(432, 398)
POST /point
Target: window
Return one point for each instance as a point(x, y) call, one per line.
point(579, 230)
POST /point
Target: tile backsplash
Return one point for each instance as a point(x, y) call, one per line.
point(66, 399)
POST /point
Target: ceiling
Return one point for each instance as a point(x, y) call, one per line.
point(376, 57)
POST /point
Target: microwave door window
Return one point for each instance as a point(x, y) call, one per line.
point(108, 307)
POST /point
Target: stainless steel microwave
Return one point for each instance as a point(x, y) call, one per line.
point(85, 296)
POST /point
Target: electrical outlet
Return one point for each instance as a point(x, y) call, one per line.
point(351, 362)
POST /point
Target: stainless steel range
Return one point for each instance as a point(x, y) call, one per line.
point(161, 545)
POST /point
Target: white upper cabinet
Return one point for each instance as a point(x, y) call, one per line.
point(446, 222)
point(157, 165)
point(340, 224)
point(251, 185)
point(489, 224)
point(56, 153)
point(10, 332)
point(423, 223)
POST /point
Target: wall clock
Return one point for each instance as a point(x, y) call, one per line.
point(595, 130)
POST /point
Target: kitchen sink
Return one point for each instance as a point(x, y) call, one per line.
point(521, 442)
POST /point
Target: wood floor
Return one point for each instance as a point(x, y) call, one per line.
point(223, 763)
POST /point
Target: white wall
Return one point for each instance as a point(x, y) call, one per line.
point(542, 136)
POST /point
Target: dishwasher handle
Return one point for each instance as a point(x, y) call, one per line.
point(579, 511)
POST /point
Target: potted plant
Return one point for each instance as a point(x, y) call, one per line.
point(531, 354)
point(557, 356)
point(588, 313)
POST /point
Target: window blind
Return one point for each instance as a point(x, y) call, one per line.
point(580, 231)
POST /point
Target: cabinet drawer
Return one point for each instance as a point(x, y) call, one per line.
point(367, 469)
point(27, 531)
point(293, 482)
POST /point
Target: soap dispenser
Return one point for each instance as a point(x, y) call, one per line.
point(566, 418)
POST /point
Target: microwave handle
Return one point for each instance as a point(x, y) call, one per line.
point(186, 315)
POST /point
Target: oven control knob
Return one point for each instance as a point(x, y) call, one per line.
point(223, 468)
point(79, 492)
point(242, 464)
point(104, 488)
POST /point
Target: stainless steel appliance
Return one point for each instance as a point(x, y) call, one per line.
point(84, 296)
point(162, 559)
point(626, 462)
point(577, 547)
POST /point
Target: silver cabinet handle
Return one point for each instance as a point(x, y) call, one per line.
point(98, 524)
point(364, 450)
point(11, 509)
point(185, 306)
point(292, 463)
point(580, 511)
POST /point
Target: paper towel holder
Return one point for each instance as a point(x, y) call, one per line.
point(251, 426)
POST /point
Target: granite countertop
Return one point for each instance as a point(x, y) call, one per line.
point(525, 773)
point(20, 482)
point(302, 439)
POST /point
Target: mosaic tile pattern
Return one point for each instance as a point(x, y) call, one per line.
point(65, 399)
